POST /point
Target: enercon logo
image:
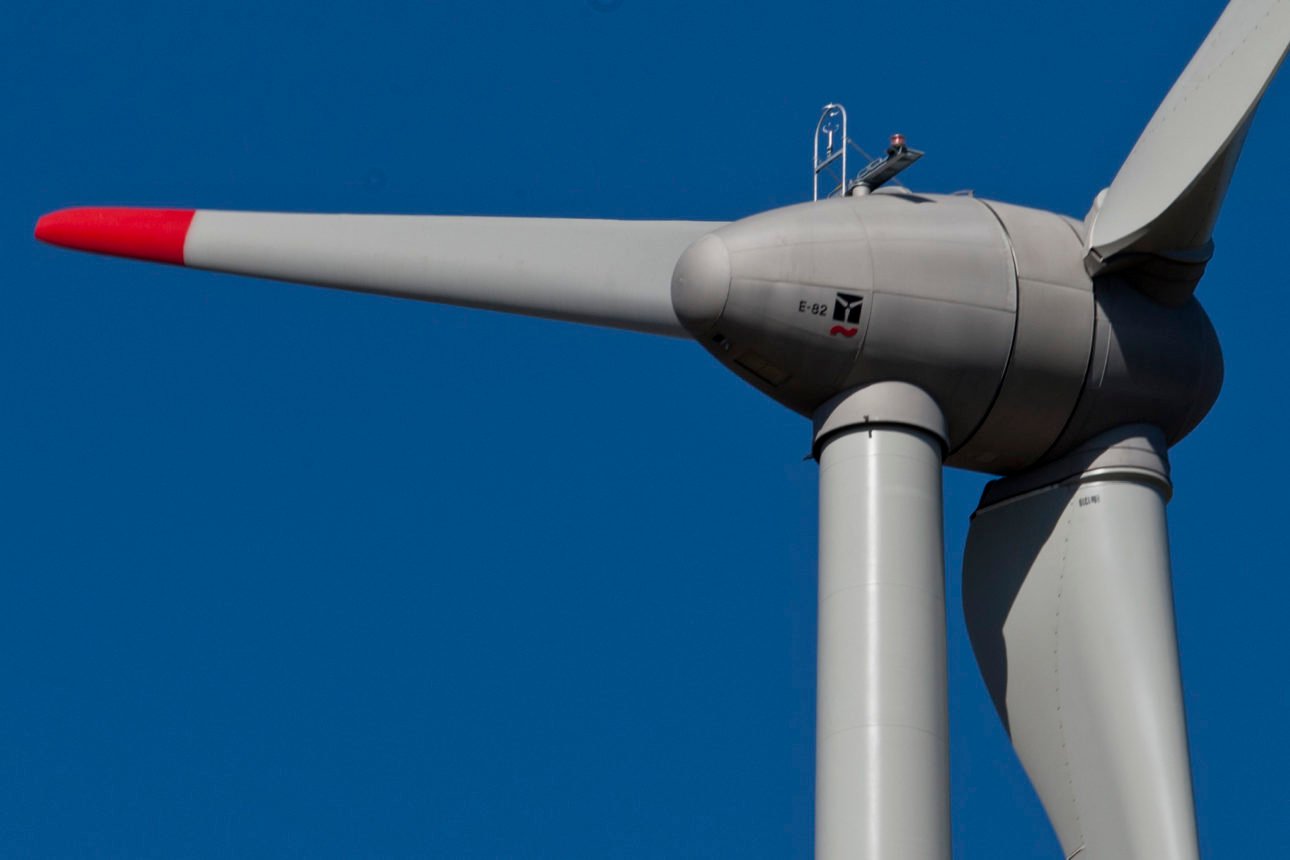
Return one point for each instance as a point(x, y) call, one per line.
point(846, 308)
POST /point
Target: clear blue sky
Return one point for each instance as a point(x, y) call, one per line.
point(290, 572)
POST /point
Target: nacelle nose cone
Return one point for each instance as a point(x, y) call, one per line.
point(701, 283)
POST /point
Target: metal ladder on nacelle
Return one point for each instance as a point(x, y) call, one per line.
point(829, 157)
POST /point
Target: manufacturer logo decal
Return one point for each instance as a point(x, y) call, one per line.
point(846, 309)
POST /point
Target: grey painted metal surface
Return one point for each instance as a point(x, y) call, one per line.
point(824, 297)
point(1166, 197)
point(610, 273)
point(1134, 448)
point(883, 403)
point(1068, 600)
point(882, 738)
point(1150, 363)
point(984, 305)
point(1050, 352)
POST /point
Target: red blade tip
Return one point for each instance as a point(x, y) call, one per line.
point(143, 234)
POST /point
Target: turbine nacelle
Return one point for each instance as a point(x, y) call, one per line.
point(985, 306)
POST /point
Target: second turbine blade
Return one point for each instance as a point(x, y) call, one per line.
point(610, 273)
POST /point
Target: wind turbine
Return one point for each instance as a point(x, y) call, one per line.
point(916, 331)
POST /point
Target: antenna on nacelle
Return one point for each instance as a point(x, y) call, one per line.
point(830, 157)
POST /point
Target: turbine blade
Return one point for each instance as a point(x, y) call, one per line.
point(1167, 195)
point(1067, 593)
point(610, 273)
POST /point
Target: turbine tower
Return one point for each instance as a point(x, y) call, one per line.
point(916, 331)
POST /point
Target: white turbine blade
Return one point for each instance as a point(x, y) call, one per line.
point(610, 273)
point(1069, 605)
point(1167, 195)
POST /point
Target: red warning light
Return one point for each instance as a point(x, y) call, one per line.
point(898, 140)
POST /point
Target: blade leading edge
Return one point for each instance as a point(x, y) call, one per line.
point(1167, 195)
